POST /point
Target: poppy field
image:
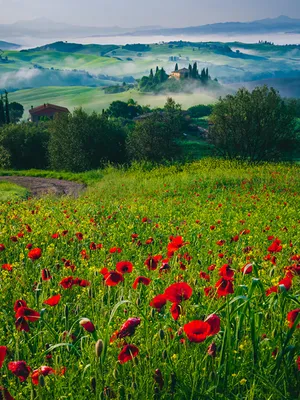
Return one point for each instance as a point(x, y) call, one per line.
point(177, 282)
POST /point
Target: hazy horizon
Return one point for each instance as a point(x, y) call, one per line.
point(170, 13)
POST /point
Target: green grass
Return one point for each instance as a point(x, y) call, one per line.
point(10, 191)
point(95, 98)
point(203, 202)
point(59, 60)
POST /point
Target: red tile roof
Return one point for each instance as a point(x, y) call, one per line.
point(47, 106)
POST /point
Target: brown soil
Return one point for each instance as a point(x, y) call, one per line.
point(42, 186)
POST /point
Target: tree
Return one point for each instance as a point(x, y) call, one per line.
point(80, 142)
point(190, 71)
point(154, 138)
point(26, 144)
point(2, 112)
point(7, 116)
point(254, 126)
point(151, 74)
point(16, 111)
point(176, 67)
point(195, 71)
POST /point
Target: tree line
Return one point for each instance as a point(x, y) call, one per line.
point(254, 126)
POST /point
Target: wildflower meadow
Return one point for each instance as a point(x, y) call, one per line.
point(177, 282)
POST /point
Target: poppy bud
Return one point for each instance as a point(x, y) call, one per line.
point(212, 349)
point(115, 373)
point(164, 354)
point(161, 334)
point(138, 301)
point(159, 378)
point(152, 312)
point(99, 348)
point(93, 384)
point(41, 380)
point(173, 382)
point(87, 325)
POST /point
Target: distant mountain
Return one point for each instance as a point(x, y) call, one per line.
point(8, 46)
point(282, 24)
point(45, 28)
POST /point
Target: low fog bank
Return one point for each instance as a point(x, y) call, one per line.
point(277, 38)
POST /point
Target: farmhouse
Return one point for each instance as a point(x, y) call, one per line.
point(180, 74)
point(45, 111)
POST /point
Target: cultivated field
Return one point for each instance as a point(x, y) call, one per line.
point(188, 276)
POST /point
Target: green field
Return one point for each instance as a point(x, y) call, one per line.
point(11, 192)
point(178, 282)
point(95, 99)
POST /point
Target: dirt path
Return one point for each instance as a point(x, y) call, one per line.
point(42, 186)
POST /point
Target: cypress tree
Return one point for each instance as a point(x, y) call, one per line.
point(7, 108)
point(176, 67)
point(195, 71)
point(151, 74)
point(207, 76)
point(190, 71)
point(2, 113)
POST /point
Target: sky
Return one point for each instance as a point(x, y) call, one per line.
point(133, 13)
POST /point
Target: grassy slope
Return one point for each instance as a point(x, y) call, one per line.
point(173, 199)
point(95, 99)
point(10, 191)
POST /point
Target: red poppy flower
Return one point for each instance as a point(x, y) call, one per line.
point(178, 292)
point(292, 316)
point(176, 243)
point(28, 314)
point(226, 272)
point(7, 267)
point(128, 352)
point(104, 271)
point(175, 311)
point(298, 363)
point(20, 369)
point(79, 235)
point(113, 278)
point(221, 242)
point(93, 246)
point(128, 328)
point(53, 301)
point(247, 269)
point(44, 370)
point(2, 247)
point(141, 279)
point(29, 246)
point(124, 267)
point(275, 246)
point(67, 283)
point(3, 351)
point(212, 267)
point(205, 276)
point(208, 291)
point(115, 250)
point(87, 325)
point(81, 282)
point(158, 301)
point(55, 236)
point(18, 304)
point(35, 254)
point(152, 262)
point(197, 331)
point(213, 321)
point(13, 238)
point(46, 275)
point(235, 238)
point(224, 287)
point(21, 324)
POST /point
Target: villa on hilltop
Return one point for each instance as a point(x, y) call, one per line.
point(180, 73)
point(45, 111)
